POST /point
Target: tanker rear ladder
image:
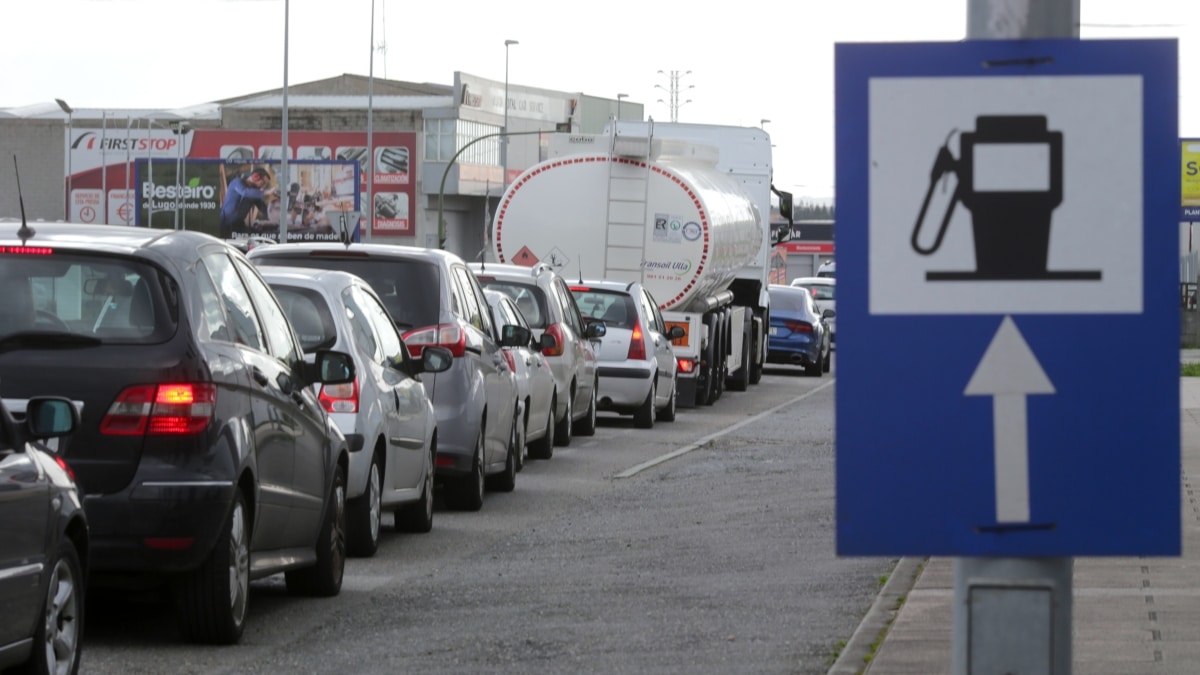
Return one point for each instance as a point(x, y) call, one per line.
point(628, 194)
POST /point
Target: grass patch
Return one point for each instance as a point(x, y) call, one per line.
point(1190, 369)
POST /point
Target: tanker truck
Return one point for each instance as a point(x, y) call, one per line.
point(682, 208)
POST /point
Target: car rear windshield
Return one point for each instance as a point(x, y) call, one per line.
point(409, 288)
point(615, 309)
point(110, 298)
point(820, 291)
point(788, 301)
point(528, 298)
point(309, 314)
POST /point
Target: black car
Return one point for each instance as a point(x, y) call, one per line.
point(43, 542)
point(203, 457)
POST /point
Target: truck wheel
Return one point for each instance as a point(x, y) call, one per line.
point(758, 350)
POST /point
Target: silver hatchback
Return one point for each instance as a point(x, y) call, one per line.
point(548, 307)
point(434, 300)
point(385, 414)
point(637, 363)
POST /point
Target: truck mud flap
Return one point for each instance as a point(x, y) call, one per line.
point(685, 389)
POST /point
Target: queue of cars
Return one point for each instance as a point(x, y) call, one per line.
point(212, 416)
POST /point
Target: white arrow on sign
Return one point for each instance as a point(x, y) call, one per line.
point(1009, 372)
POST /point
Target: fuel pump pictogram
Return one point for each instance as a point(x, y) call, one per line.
point(1010, 212)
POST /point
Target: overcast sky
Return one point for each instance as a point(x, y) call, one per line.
point(749, 60)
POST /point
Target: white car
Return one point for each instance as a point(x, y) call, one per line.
point(823, 294)
point(637, 363)
point(388, 420)
point(535, 379)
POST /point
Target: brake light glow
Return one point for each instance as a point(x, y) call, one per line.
point(686, 365)
point(559, 347)
point(580, 289)
point(798, 326)
point(637, 343)
point(169, 543)
point(339, 398)
point(161, 410)
point(449, 335)
point(62, 464)
point(26, 250)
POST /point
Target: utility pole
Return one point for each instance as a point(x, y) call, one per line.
point(673, 102)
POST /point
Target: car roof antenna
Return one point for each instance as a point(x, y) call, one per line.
point(482, 257)
point(26, 232)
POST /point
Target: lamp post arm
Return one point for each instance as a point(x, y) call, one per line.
point(446, 172)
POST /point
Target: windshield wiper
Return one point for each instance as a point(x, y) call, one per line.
point(48, 339)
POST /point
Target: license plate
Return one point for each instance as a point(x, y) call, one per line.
point(773, 331)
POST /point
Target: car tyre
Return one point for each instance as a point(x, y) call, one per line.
point(667, 412)
point(57, 642)
point(587, 425)
point(543, 448)
point(324, 579)
point(815, 369)
point(522, 430)
point(418, 518)
point(364, 515)
point(506, 481)
point(566, 428)
point(828, 363)
point(467, 493)
point(212, 599)
point(643, 417)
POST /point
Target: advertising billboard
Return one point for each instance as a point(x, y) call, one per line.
point(103, 185)
point(233, 198)
point(1190, 151)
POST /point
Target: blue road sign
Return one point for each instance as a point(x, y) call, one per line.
point(1008, 342)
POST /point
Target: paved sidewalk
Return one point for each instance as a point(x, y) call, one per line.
point(1131, 616)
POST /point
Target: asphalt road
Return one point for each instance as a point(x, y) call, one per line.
point(718, 560)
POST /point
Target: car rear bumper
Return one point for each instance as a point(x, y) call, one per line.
point(803, 354)
point(157, 527)
point(623, 387)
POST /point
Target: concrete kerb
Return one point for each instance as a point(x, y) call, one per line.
point(854, 658)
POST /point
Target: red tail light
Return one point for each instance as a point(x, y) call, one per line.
point(62, 464)
point(160, 410)
point(559, 348)
point(637, 343)
point(798, 326)
point(339, 398)
point(686, 365)
point(449, 335)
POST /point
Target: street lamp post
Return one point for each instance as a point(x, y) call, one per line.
point(504, 139)
point(70, 129)
point(762, 124)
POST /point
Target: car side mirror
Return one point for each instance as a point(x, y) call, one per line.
point(595, 329)
point(330, 367)
point(515, 336)
point(676, 333)
point(436, 359)
point(548, 341)
point(50, 417)
point(828, 314)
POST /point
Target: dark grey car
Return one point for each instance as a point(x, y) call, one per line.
point(43, 541)
point(203, 458)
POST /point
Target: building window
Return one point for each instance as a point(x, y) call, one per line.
point(444, 137)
